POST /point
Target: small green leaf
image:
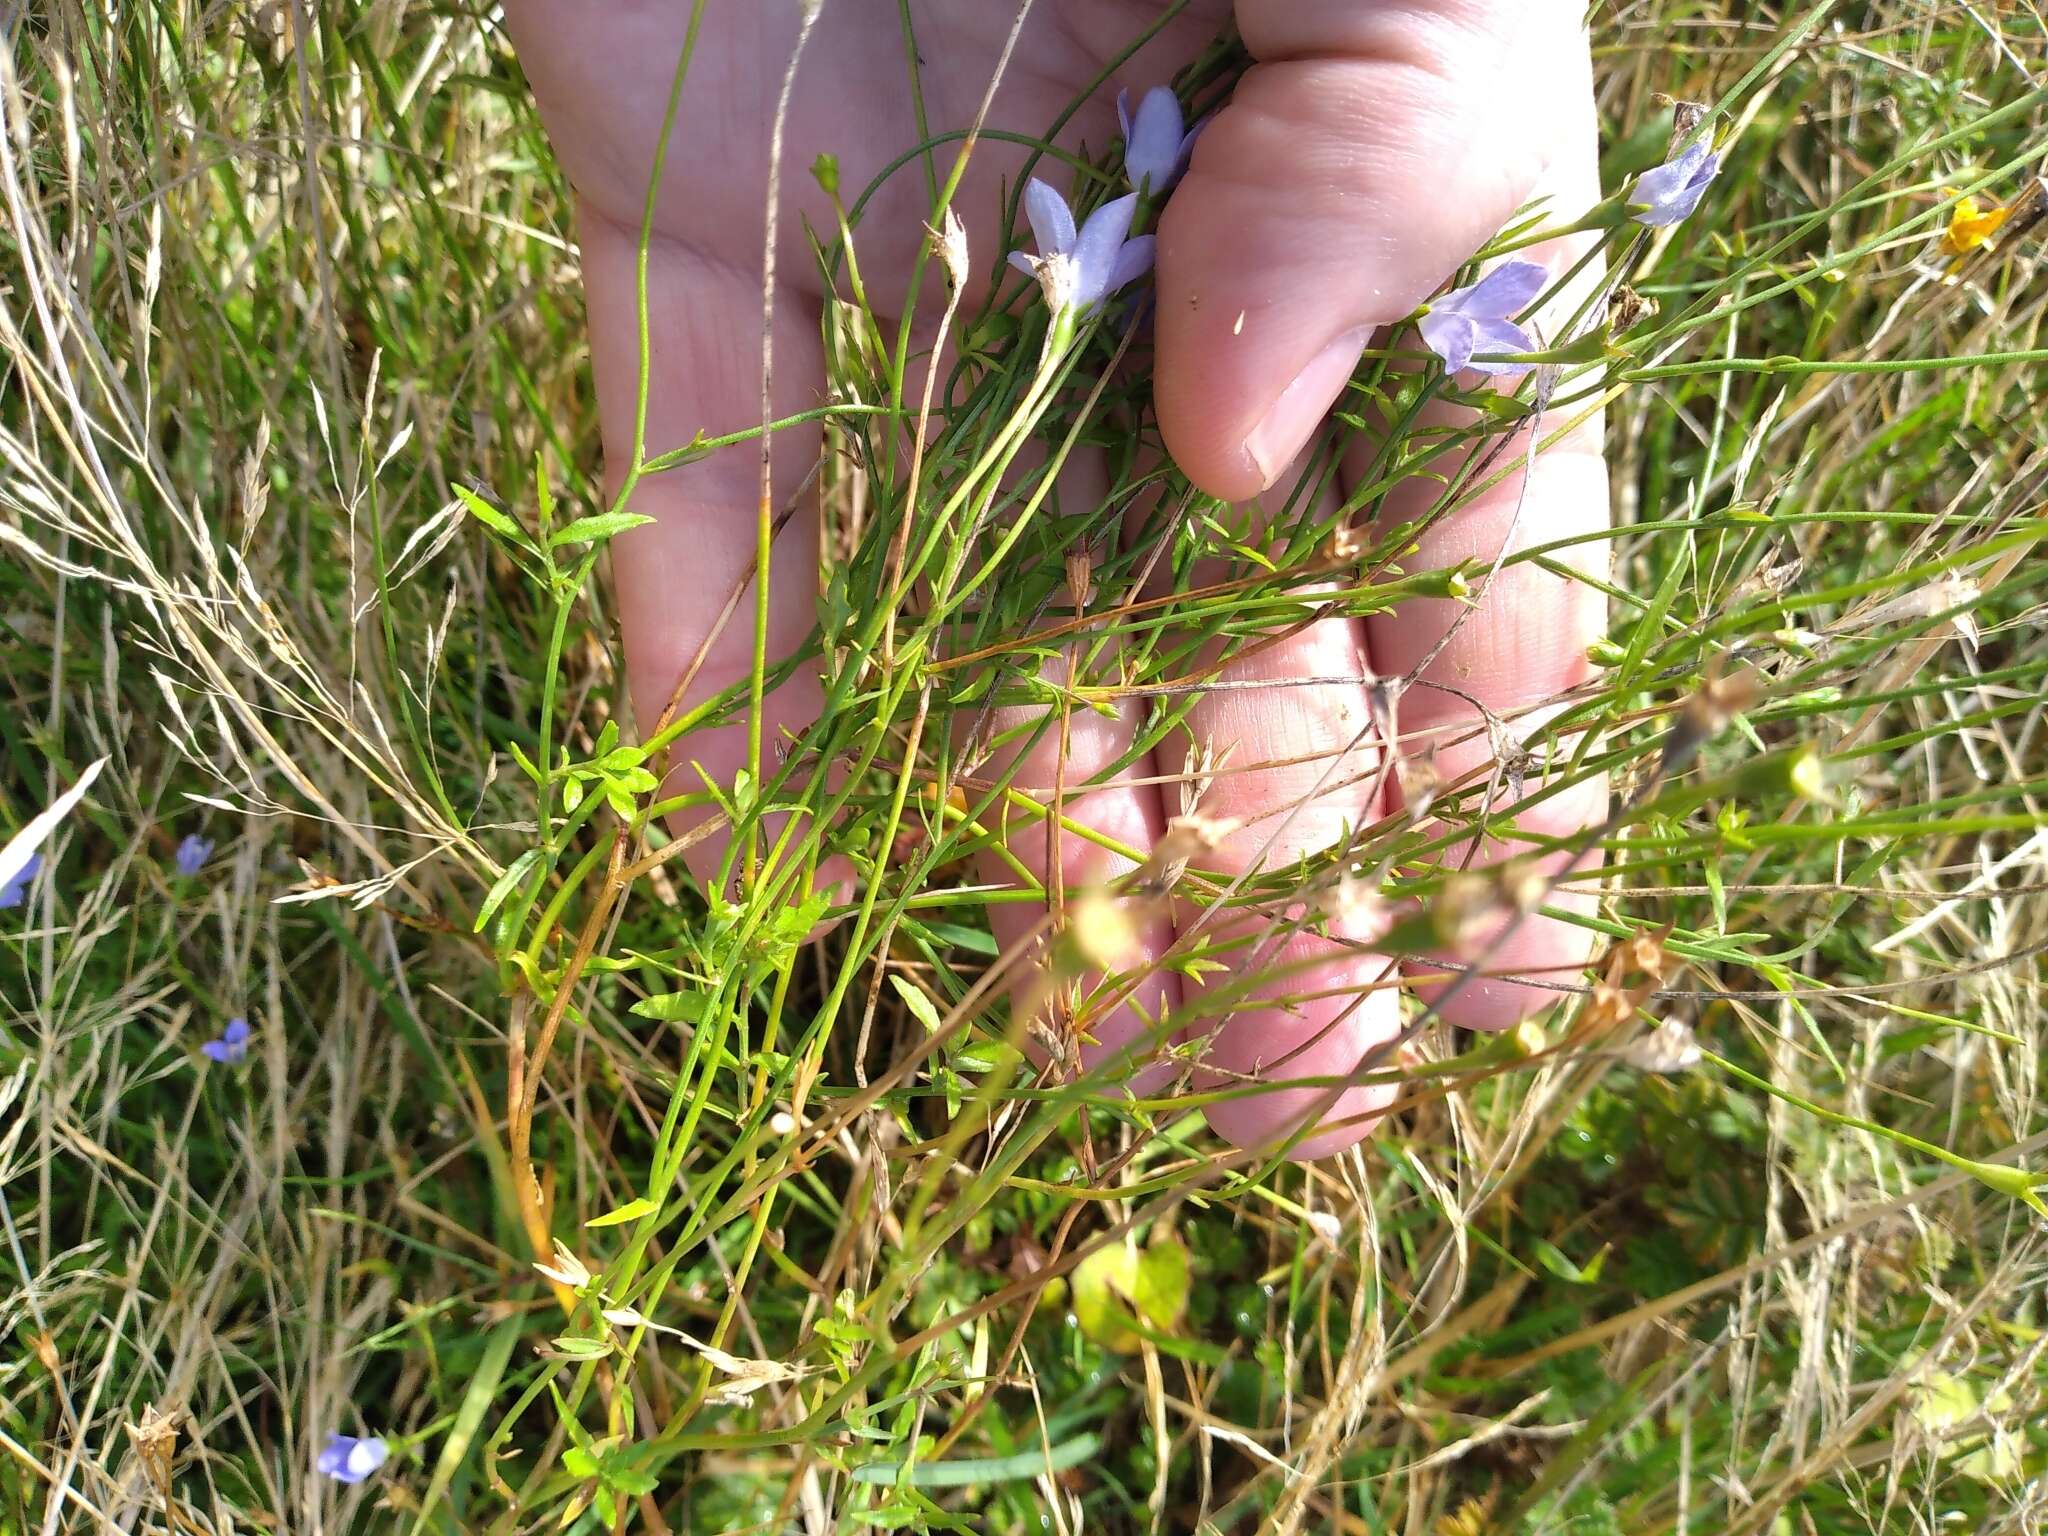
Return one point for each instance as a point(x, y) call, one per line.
point(525, 763)
point(672, 1007)
point(632, 1210)
point(888, 1514)
point(984, 1057)
point(630, 1480)
point(1553, 1259)
point(504, 886)
point(579, 1348)
point(603, 525)
point(921, 1007)
point(960, 936)
point(490, 516)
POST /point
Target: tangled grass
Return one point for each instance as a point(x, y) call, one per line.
point(295, 432)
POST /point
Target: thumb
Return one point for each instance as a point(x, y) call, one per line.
point(1369, 151)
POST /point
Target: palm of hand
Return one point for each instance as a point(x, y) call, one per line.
point(1370, 151)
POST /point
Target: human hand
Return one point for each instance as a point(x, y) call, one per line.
point(1367, 154)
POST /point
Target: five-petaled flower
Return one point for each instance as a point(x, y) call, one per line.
point(1668, 194)
point(193, 853)
point(1478, 319)
point(1156, 149)
point(1079, 269)
point(349, 1460)
point(15, 891)
point(232, 1048)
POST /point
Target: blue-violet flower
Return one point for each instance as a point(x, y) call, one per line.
point(15, 891)
point(232, 1048)
point(1668, 195)
point(1081, 269)
point(1477, 319)
point(193, 853)
point(1156, 149)
point(349, 1460)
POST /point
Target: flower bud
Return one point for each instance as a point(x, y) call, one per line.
point(1080, 578)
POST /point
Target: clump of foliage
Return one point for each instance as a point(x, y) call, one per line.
point(605, 1202)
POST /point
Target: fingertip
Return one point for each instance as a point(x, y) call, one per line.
point(1342, 1015)
point(1332, 195)
point(1518, 967)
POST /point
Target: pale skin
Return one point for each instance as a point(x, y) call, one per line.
point(1372, 148)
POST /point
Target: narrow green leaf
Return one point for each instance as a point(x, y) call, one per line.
point(632, 1210)
point(526, 764)
point(601, 526)
point(504, 886)
point(469, 1418)
point(671, 1007)
point(995, 1469)
point(490, 516)
point(914, 998)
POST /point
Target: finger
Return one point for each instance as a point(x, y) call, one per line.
point(1369, 152)
point(1091, 804)
point(1286, 742)
point(685, 582)
point(1067, 760)
point(1524, 644)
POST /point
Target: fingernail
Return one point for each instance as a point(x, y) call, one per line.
point(1302, 405)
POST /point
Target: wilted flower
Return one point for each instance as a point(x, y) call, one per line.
point(232, 1048)
point(156, 1442)
point(1080, 269)
point(1668, 195)
point(566, 1269)
point(15, 891)
point(951, 240)
point(1970, 224)
point(1476, 319)
point(1080, 578)
point(1156, 149)
point(1667, 1049)
point(1192, 836)
point(349, 1460)
point(193, 853)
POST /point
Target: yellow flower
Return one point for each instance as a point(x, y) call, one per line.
point(1970, 225)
